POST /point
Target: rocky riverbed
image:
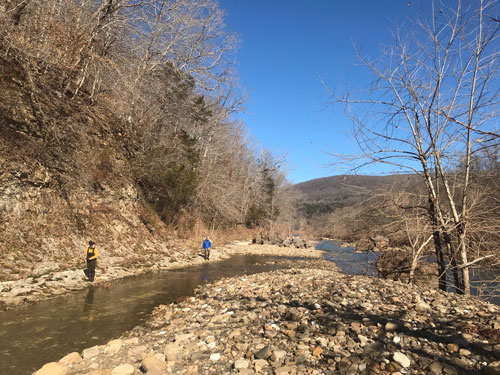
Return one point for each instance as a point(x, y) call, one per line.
point(50, 281)
point(309, 319)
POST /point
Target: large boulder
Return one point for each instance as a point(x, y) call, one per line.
point(364, 245)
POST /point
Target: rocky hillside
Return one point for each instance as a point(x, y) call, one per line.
point(65, 172)
point(46, 222)
point(109, 133)
point(57, 194)
point(305, 320)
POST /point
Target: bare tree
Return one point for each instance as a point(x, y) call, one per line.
point(157, 78)
point(434, 100)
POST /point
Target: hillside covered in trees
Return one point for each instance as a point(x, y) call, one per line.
point(115, 126)
point(325, 195)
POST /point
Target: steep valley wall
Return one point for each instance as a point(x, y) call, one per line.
point(65, 179)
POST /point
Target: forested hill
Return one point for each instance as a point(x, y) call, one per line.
point(119, 133)
point(324, 195)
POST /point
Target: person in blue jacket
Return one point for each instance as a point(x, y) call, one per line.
point(207, 244)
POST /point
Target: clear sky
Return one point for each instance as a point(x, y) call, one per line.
point(287, 47)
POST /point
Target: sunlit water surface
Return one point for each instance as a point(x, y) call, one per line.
point(45, 331)
point(42, 332)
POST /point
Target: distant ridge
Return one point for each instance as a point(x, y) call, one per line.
point(324, 195)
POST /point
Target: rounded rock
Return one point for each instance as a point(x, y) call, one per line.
point(150, 363)
point(401, 359)
point(52, 368)
point(215, 357)
point(124, 369)
point(70, 358)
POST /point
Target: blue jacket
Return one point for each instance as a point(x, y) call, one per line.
point(206, 244)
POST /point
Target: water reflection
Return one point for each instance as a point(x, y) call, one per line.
point(205, 274)
point(33, 335)
point(484, 281)
point(88, 308)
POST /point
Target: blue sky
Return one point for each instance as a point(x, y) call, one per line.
point(287, 47)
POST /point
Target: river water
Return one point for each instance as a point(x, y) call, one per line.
point(484, 281)
point(42, 332)
point(35, 334)
point(348, 260)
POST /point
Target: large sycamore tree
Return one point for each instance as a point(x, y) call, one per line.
point(432, 109)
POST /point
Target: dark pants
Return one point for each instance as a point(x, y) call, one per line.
point(91, 269)
point(207, 253)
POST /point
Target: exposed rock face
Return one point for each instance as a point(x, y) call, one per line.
point(46, 223)
point(308, 320)
point(376, 243)
point(295, 242)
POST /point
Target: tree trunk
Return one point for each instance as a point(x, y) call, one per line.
point(454, 266)
point(463, 257)
point(437, 246)
point(413, 267)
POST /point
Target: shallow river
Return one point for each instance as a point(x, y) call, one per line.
point(484, 283)
point(348, 260)
point(46, 331)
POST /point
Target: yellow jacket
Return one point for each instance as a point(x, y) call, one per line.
point(91, 253)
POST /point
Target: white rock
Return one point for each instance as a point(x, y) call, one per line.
point(401, 359)
point(363, 340)
point(215, 357)
point(113, 346)
point(90, 352)
point(212, 345)
point(124, 369)
point(240, 363)
point(278, 356)
point(52, 368)
point(70, 358)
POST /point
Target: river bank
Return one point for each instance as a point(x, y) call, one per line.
point(49, 283)
point(309, 319)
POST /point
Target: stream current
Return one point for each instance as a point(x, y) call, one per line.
point(35, 334)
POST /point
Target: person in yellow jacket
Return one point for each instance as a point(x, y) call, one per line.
point(91, 256)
